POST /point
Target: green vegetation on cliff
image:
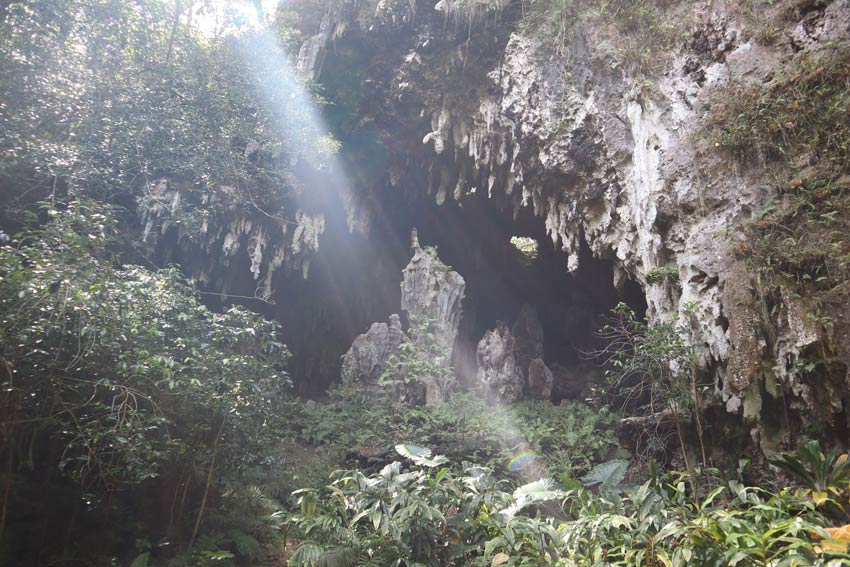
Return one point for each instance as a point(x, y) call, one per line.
point(798, 125)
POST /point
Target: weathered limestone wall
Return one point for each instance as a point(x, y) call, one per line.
point(611, 158)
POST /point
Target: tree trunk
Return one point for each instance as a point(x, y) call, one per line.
point(208, 483)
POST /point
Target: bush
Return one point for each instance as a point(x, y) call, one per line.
point(120, 380)
point(654, 373)
point(645, 33)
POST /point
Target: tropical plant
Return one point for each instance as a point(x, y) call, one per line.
point(653, 371)
point(565, 439)
point(444, 516)
point(607, 476)
point(824, 476)
point(421, 516)
point(129, 102)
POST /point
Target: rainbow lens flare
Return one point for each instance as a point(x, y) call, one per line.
point(522, 461)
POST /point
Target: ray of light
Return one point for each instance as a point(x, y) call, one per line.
point(295, 113)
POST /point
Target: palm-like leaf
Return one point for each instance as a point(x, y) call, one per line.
point(533, 492)
point(420, 455)
point(607, 475)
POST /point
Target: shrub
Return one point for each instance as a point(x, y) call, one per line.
point(645, 33)
point(825, 477)
point(654, 373)
point(565, 439)
point(118, 379)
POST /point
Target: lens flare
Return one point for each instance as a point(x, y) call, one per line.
point(522, 461)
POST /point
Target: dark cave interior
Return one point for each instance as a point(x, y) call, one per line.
point(354, 278)
point(354, 281)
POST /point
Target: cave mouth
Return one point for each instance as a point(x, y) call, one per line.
point(355, 279)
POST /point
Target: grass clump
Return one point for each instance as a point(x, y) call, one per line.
point(661, 274)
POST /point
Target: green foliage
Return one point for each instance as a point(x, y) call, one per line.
point(657, 524)
point(660, 275)
point(107, 98)
point(798, 125)
point(555, 18)
point(567, 438)
point(420, 456)
point(465, 13)
point(464, 516)
point(119, 377)
point(541, 490)
point(125, 400)
point(825, 477)
point(654, 372)
point(645, 33)
point(607, 475)
point(421, 516)
point(649, 364)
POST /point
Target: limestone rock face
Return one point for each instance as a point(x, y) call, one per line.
point(528, 334)
point(498, 371)
point(270, 244)
point(510, 361)
point(539, 380)
point(366, 360)
point(618, 159)
point(432, 297)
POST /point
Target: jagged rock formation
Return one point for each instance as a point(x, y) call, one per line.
point(269, 243)
point(366, 360)
point(498, 371)
point(432, 297)
point(510, 361)
point(605, 154)
point(540, 380)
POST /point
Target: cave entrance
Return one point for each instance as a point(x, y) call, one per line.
point(507, 263)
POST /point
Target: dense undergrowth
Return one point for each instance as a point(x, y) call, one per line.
point(431, 514)
point(124, 400)
point(136, 423)
point(352, 427)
